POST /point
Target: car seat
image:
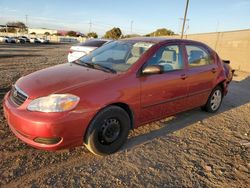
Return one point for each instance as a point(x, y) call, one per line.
point(168, 59)
point(135, 55)
point(197, 58)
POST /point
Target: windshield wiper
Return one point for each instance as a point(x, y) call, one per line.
point(86, 64)
point(94, 66)
point(104, 68)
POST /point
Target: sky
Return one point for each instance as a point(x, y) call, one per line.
point(145, 15)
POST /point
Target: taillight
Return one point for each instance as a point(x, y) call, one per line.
point(70, 51)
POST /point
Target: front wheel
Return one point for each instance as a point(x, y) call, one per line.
point(108, 131)
point(214, 101)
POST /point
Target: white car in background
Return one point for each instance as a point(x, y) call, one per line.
point(42, 40)
point(84, 48)
point(39, 40)
point(7, 39)
point(23, 39)
point(34, 40)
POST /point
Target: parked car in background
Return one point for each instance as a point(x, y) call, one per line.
point(16, 39)
point(98, 98)
point(84, 48)
point(12, 40)
point(34, 40)
point(43, 40)
point(24, 39)
point(7, 39)
point(19, 40)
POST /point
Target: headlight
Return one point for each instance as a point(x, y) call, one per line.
point(54, 103)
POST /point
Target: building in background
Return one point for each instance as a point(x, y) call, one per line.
point(42, 31)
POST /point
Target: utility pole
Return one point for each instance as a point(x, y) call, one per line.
point(184, 21)
point(26, 23)
point(131, 27)
point(186, 25)
point(90, 26)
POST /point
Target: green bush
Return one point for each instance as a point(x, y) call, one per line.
point(114, 33)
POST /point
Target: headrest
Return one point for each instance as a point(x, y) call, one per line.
point(196, 54)
point(169, 55)
point(136, 51)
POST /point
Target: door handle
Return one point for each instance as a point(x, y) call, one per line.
point(183, 76)
point(213, 70)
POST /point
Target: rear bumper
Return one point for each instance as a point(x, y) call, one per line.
point(69, 127)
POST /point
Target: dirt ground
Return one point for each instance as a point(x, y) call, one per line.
point(192, 149)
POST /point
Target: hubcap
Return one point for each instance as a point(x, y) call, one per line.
point(216, 100)
point(110, 131)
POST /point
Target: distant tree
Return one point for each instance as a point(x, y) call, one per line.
point(33, 33)
point(131, 36)
point(58, 34)
point(47, 33)
point(2, 30)
point(92, 35)
point(11, 29)
point(72, 34)
point(114, 33)
point(161, 32)
point(18, 26)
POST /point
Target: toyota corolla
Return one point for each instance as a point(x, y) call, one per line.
point(98, 98)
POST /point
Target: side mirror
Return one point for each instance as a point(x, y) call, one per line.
point(152, 69)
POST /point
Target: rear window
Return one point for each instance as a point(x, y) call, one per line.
point(93, 43)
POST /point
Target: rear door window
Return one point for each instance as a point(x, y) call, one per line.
point(197, 56)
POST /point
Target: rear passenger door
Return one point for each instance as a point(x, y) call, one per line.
point(202, 72)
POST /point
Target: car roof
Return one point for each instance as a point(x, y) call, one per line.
point(156, 39)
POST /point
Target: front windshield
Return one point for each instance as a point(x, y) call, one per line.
point(118, 55)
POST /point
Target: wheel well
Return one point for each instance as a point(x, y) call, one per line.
point(221, 84)
point(128, 110)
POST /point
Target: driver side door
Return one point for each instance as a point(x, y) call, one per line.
point(164, 94)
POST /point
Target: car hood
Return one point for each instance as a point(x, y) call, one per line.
point(59, 79)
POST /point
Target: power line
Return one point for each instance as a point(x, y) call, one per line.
point(186, 25)
point(98, 24)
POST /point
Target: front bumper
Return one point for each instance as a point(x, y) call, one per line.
point(29, 126)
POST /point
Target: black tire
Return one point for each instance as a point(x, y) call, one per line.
point(108, 131)
point(212, 106)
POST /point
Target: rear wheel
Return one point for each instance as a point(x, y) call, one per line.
point(214, 101)
point(108, 131)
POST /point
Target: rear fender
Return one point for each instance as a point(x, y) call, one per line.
point(228, 70)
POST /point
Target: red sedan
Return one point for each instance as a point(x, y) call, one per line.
point(97, 99)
